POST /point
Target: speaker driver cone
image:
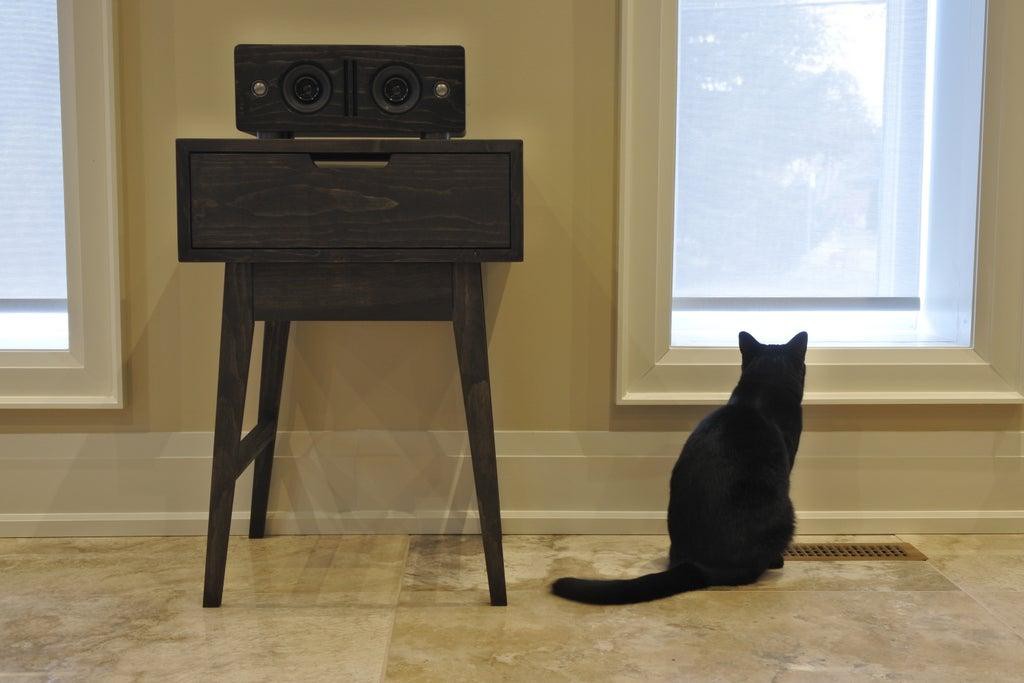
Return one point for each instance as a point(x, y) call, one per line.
point(396, 89)
point(306, 88)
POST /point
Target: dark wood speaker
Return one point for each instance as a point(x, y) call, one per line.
point(351, 90)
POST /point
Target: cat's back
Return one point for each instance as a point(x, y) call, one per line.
point(734, 440)
point(735, 424)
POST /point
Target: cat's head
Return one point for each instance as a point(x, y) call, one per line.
point(779, 362)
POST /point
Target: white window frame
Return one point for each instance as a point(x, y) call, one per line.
point(89, 373)
point(651, 371)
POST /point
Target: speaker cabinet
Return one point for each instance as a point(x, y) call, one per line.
point(351, 90)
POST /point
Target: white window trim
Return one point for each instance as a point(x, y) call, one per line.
point(89, 373)
point(650, 371)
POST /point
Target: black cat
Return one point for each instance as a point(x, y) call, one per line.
point(729, 513)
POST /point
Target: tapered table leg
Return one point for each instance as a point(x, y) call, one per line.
point(275, 348)
point(235, 351)
point(471, 346)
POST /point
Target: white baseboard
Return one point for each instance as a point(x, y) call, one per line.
point(551, 482)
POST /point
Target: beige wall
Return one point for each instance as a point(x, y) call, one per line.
point(540, 70)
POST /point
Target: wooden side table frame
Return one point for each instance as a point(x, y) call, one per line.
point(334, 269)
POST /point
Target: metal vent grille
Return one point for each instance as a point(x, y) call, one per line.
point(853, 551)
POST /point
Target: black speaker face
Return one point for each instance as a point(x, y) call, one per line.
point(396, 89)
point(351, 90)
point(306, 88)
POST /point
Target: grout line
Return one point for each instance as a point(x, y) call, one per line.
point(1012, 629)
point(394, 609)
point(1009, 627)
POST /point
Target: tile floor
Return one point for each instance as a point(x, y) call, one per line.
point(366, 608)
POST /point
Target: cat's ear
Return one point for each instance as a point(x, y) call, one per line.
point(748, 345)
point(798, 345)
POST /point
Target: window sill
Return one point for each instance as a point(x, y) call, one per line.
point(834, 377)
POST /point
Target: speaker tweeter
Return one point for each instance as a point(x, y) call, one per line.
point(306, 88)
point(396, 89)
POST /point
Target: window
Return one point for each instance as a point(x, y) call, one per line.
point(33, 269)
point(60, 338)
point(811, 139)
point(900, 255)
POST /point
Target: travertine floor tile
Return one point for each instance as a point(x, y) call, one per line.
point(851, 576)
point(534, 561)
point(958, 544)
point(444, 629)
point(976, 563)
point(989, 567)
point(738, 635)
point(326, 608)
point(294, 608)
point(1007, 606)
point(450, 569)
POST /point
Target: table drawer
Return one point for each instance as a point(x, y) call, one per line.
point(330, 200)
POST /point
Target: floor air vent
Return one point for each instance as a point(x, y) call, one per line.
point(854, 551)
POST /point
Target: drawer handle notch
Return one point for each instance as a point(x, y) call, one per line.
point(344, 161)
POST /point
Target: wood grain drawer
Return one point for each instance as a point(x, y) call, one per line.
point(349, 200)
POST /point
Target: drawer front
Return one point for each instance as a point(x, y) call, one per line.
point(335, 200)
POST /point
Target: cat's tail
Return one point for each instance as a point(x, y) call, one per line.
point(679, 579)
